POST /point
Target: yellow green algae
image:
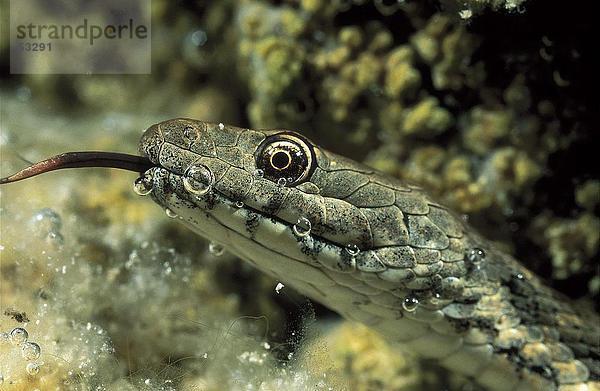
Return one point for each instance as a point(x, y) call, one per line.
point(115, 295)
point(118, 296)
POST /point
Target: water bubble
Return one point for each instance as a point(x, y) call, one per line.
point(239, 204)
point(319, 36)
point(170, 213)
point(475, 255)
point(302, 227)
point(55, 239)
point(465, 14)
point(410, 303)
point(46, 224)
point(352, 249)
point(199, 38)
point(33, 368)
point(221, 126)
point(31, 351)
point(215, 249)
point(279, 287)
point(47, 220)
point(143, 185)
point(281, 182)
point(198, 179)
point(258, 173)
point(18, 336)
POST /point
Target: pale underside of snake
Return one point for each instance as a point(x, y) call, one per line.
point(372, 248)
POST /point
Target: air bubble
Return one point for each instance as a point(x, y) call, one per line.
point(31, 351)
point(352, 249)
point(18, 336)
point(215, 249)
point(33, 368)
point(465, 14)
point(475, 255)
point(143, 185)
point(170, 213)
point(48, 219)
point(281, 182)
point(199, 38)
point(46, 223)
point(198, 179)
point(55, 238)
point(239, 204)
point(302, 227)
point(410, 303)
point(258, 173)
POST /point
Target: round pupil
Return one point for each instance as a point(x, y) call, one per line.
point(280, 160)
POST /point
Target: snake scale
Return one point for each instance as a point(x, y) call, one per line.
point(368, 246)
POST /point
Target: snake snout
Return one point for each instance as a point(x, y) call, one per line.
point(151, 142)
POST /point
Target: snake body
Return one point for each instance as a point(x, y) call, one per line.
point(374, 249)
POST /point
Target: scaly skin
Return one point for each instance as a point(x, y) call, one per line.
point(419, 277)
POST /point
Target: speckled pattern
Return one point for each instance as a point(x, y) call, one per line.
point(380, 252)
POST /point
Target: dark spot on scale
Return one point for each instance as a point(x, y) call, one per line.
point(211, 201)
point(310, 251)
point(252, 222)
point(460, 325)
point(272, 206)
point(405, 219)
point(543, 371)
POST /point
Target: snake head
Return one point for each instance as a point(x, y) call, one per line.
point(285, 204)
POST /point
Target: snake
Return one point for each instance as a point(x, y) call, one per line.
point(369, 246)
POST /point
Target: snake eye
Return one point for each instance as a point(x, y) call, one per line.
point(285, 156)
